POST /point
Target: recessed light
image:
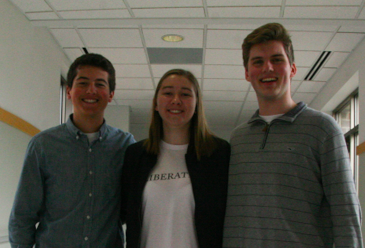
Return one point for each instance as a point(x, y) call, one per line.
point(172, 38)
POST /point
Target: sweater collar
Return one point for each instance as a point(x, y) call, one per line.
point(289, 116)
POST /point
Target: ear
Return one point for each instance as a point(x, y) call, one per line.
point(247, 75)
point(293, 70)
point(111, 95)
point(68, 89)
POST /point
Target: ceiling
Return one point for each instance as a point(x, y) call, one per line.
point(126, 31)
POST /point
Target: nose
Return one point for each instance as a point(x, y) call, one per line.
point(91, 89)
point(268, 66)
point(176, 99)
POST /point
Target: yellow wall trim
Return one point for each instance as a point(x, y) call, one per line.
point(18, 123)
point(360, 149)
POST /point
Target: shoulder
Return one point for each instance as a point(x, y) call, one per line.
point(136, 147)
point(49, 133)
point(324, 121)
point(120, 135)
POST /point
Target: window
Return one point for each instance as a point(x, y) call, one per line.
point(347, 116)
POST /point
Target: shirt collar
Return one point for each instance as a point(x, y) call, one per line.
point(289, 116)
point(77, 132)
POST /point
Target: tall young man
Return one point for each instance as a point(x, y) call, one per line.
point(69, 190)
point(290, 182)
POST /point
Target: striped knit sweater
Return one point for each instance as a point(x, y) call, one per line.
point(291, 185)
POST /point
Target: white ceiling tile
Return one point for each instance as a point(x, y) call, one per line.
point(32, 6)
point(134, 83)
point(352, 29)
point(224, 95)
point(243, 2)
point(310, 86)
point(226, 38)
point(122, 55)
point(223, 57)
point(165, 3)
point(336, 59)
point(132, 71)
point(214, 117)
point(95, 14)
point(67, 37)
point(172, 26)
point(251, 97)
point(314, 41)
point(226, 84)
point(302, 27)
point(142, 111)
point(111, 37)
point(305, 58)
point(86, 4)
point(301, 73)
point(304, 97)
point(224, 71)
point(294, 85)
point(222, 105)
point(159, 70)
point(73, 53)
point(193, 38)
point(135, 103)
point(251, 105)
point(133, 94)
point(321, 12)
point(139, 119)
point(42, 16)
point(253, 12)
point(233, 26)
point(362, 14)
point(345, 42)
point(324, 74)
point(169, 12)
point(323, 2)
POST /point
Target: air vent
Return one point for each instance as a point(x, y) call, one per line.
point(318, 65)
point(175, 55)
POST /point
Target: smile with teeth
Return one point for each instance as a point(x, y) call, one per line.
point(268, 80)
point(90, 100)
point(175, 111)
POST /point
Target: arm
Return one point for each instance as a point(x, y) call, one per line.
point(340, 190)
point(28, 201)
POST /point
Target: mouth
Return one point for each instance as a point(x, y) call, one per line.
point(90, 100)
point(175, 111)
point(268, 80)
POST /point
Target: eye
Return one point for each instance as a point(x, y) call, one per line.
point(257, 62)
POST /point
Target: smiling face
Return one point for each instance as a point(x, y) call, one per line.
point(270, 72)
point(90, 93)
point(176, 102)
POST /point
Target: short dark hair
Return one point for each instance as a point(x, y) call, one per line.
point(268, 32)
point(92, 59)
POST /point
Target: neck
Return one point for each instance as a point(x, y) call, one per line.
point(87, 124)
point(275, 107)
point(176, 136)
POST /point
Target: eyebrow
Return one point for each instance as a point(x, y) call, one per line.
point(86, 78)
point(273, 56)
point(170, 87)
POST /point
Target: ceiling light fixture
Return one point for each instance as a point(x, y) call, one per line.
point(172, 38)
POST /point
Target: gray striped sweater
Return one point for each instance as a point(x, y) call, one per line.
point(291, 185)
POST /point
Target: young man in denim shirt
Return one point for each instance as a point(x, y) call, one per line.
point(69, 189)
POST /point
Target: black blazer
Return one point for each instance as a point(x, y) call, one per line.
point(209, 178)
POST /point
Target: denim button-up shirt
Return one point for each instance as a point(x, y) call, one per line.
point(71, 188)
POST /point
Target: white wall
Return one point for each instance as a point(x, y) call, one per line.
point(12, 146)
point(30, 67)
point(118, 116)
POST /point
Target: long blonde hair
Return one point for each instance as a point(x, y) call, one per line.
point(201, 138)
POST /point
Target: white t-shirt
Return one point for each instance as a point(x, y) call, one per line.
point(168, 202)
point(270, 118)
